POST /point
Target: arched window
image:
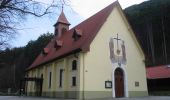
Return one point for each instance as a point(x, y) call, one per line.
point(63, 30)
point(74, 65)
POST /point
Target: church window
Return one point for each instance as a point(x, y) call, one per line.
point(60, 78)
point(74, 65)
point(74, 81)
point(49, 85)
point(41, 75)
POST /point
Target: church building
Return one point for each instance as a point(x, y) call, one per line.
point(98, 58)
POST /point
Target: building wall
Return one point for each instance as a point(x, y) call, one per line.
point(95, 67)
point(64, 91)
point(98, 66)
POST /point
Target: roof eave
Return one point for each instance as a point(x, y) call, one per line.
point(59, 57)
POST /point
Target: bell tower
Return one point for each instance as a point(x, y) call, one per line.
point(62, 25)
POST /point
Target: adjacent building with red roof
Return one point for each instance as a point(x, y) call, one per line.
point(158, 79)
point(158, 72)
point(98, 58)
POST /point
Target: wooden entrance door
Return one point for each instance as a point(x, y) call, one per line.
point(119, 83)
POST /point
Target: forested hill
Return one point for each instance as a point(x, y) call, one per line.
point(13, 62)
point(150, 21)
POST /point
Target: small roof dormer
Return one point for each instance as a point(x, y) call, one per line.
point(58, 44)
point(62, 25)
point(77, 33)
point(45, 51)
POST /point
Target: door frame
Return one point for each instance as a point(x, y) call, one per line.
point(122, 67)
point(119, 85)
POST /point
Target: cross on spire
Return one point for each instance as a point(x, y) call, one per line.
point(62, 7)
point(62, 4)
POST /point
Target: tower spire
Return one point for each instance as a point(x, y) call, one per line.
point(62, 18)
point(62, 24)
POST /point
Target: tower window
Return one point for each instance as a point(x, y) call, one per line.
point(63, 30)
point(56, 32)
point(74, 65)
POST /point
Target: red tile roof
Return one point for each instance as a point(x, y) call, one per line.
point(89, 27)
point(158, 72)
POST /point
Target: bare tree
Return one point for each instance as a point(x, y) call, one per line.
point(12, 11)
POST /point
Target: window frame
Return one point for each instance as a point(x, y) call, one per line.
point(74, 65)
point(49, 80)
point(74, 81)
point(60, 77)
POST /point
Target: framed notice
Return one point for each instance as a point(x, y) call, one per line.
point(108, 84)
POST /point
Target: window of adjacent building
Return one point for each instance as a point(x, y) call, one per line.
point(74, 81)
point(49, 85)
point(74, 65)
point(61, 76)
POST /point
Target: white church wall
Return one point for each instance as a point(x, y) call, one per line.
point(98, 66)
point(135, 65)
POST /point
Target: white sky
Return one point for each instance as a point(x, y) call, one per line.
point(34, 27)
point(87, 8)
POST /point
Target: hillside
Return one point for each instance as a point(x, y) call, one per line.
point(13, 62)
point(151, 20)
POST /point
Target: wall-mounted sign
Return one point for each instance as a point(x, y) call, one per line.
point(108, 84)
point(136, 84)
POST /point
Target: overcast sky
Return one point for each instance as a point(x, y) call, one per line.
point(81, 10)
